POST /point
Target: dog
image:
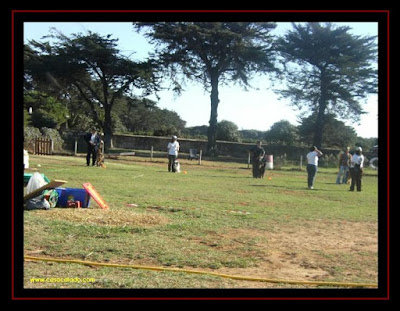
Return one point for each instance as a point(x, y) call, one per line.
point(262, 163)
point(348, 177)
point(176, 167)
point(100, 155)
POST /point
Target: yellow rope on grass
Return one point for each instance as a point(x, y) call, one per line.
point(234, 277)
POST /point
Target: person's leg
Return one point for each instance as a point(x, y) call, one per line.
point(173, 168)
point(345, 174)
point(315, 169)
point(311, 170)
point(94, 156)
point(88, 156)
point(339, 175)
point(353, 179)
point(169, 163)
point(359, 177)
point(255, 167)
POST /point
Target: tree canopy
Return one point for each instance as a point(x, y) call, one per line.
point(93, 66)
point(212, 53)
point(282, 132)
point(85, 79)
point(327, 70)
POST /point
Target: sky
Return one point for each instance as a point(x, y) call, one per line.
point(257, 108)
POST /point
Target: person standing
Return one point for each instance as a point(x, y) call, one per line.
point(258, 154)
point(93, 141)
point(312, 165)
point(173, 149)
point(356, 169)
point(344, 164)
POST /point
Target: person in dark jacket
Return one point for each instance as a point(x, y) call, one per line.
point(356, 169)
point(257, 153)
point(93, 141)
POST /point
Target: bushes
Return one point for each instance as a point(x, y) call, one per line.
point(30, 133)
point(329, 161)
point(326, 161)
point(55, 136)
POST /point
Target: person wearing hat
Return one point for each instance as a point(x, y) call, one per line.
point(356, 169)
point(344, 163)
point(173, 148)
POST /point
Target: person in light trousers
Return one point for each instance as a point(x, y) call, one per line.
point(344, 164)
point(173, 149)
point(312, 165)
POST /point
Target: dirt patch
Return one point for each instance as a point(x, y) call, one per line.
point(110, 217)
point(315, 251)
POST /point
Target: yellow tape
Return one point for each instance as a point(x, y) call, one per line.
point(234, 277)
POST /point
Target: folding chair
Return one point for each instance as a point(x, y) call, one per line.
point(193, 154)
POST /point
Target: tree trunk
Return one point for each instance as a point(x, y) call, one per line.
point(322, 104)
point(319, 127)
point(107, 128)
point(212, 130)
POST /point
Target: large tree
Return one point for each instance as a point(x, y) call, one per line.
point(282, 132)
point(93, 65)
point(142, 116)
point(337, 133)
point(213, 53)
point(328, 70)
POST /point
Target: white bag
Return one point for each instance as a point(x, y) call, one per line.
point(26, 159)
point(35, 182)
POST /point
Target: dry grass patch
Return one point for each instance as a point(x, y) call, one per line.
point(111, 217)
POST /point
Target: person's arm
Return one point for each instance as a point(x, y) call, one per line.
point(319, 153)
point(96, 142)
point(349, 159)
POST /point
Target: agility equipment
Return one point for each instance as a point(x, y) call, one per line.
point(68, 195)
point(95, 195)
point(51, 185)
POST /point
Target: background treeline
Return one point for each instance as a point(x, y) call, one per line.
point(83, 80)
point(143, 117)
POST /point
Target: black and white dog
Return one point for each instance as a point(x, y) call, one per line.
point(176, 167)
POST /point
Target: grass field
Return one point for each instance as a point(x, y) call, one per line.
point(214, 217)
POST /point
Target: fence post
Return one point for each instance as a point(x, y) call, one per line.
point(200, 155)
point(151, 153)
point(76, 146)
point(248, 160)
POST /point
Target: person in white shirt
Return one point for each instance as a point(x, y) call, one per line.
point(356, 169)
point(312, 166)
point(173, 149)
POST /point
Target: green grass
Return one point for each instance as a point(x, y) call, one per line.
point(215, 217)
